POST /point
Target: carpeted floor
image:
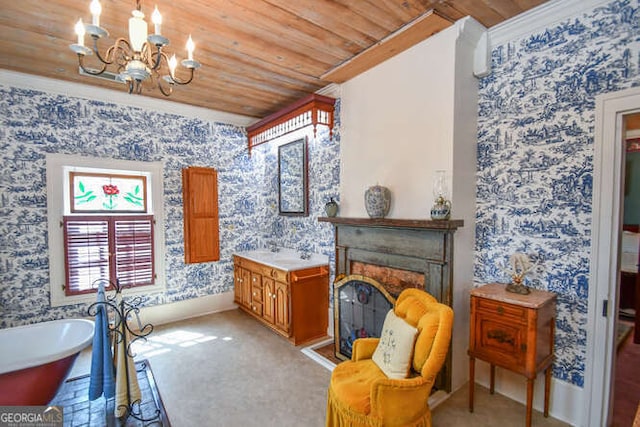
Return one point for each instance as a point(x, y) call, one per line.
point(225, 369)
point(81, 412)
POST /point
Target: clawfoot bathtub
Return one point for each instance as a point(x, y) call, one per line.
point(35, 359)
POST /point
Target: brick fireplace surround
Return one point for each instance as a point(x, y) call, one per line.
point(399, 254)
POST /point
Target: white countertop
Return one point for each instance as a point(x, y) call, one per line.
point(285, 259)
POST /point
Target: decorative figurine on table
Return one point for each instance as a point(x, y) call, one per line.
point(520, 266)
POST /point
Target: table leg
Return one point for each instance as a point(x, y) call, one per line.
point(472, 371)
point(547, 389)
point(492, 380)
point(530, 382)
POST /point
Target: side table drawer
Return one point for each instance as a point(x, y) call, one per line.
point(501, 309)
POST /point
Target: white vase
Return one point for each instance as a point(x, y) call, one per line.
point(377, 201)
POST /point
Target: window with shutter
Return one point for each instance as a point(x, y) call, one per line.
point(103, 218)
point(118, 248)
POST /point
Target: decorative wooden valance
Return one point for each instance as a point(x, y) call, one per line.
point(311, 110)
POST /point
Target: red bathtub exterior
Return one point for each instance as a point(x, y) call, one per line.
point(36, 385)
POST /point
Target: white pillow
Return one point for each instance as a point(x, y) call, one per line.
point(395, 349)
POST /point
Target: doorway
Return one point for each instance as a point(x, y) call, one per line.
point(608, 191)
point(626, 388)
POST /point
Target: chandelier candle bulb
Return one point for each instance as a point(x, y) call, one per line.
point(190, 48)
point(173, 62)
point(156, 18)
point(96, 10)
point(80, 32)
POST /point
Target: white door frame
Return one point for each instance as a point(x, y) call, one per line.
point(605, 264)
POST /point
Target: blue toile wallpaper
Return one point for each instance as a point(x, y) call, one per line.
point(535, 158)
point(34, 123)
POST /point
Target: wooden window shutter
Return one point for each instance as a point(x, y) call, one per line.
point(200, 200)
point(86, 243)
point(108, 247)
point(133, 248)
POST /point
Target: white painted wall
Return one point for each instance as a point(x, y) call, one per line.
point(405, 119)
point(397, 125)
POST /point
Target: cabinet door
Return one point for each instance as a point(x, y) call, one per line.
point(269, 293)
point(246, 288)
point(282, 307)
point(237, 284)
point(200, 203)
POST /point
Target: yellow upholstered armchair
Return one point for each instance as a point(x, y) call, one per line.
point(361, 394)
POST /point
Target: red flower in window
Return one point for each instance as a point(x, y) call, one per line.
point(110, 190)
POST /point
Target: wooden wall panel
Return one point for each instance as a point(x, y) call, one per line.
point(201, 228)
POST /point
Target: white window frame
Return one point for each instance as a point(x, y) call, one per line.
point(58, 166)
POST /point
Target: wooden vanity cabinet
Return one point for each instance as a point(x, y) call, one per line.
point(294, 304)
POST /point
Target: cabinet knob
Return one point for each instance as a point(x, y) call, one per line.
point(273, 296)
point(254, 279)
point(500, 309)
point(255, 294)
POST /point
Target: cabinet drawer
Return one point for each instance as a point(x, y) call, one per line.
point(486, 306)
point(256, 308)
point(261, 269)
point(256, 294)
point(274, 273)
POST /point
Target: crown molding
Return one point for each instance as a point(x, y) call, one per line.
point(61, 87)
point(538, 19)
point(333, 90)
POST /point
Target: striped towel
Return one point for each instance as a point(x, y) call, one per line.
point(127, 387)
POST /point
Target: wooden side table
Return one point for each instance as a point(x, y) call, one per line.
point(514, 332)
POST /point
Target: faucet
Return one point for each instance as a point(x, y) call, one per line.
point(273, 246)
point(304, 251)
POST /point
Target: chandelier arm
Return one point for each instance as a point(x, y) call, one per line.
point(184, 82)
point(165, 92)
point(109, 56)
point(89, 70)
point(105, 59)
point(158, 55)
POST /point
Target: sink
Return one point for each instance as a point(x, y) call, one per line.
point(285, 259)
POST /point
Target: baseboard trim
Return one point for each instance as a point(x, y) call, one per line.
point(181, 310)
point(566, 402)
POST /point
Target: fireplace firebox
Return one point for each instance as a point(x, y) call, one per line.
point(361, 307)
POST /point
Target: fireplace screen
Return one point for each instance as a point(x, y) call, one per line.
point(360, 307)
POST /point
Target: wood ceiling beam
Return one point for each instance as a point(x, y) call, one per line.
point(409, 35)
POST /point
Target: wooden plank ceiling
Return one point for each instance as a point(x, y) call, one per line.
point(257, 56)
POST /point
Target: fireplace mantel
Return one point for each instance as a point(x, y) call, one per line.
point(396, 223)
point(410, 252)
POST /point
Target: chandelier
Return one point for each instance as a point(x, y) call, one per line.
point(137, 60)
